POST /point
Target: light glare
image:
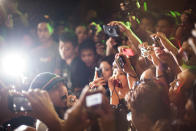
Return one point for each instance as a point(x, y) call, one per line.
point(13, 64)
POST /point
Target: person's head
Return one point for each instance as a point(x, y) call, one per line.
point(87, 52)
point(147, 23)
point(106, 66)
point(148, 74)
point(44, 32)
point(148, 103)
point(67, 45)
point(188, 54)
point(121, 77)
point(55, 87)
point(81, 32)
point(183, 83)
point(166, 25)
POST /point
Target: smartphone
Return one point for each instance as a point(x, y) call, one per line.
point(93, 100)
point(121, 61)
point(19, 104)
point(99, 72)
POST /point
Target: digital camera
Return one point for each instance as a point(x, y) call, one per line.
point(112, 31)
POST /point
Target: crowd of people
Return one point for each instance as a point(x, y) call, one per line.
point(135, 73)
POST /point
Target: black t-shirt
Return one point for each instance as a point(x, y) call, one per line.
point(76, 74)
point(44, 59)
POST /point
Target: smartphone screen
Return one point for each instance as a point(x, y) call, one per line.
point(20, 104)
point(93, 100)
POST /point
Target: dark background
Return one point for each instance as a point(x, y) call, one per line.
point(64, 9)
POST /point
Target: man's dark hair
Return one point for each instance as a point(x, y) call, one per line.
point(150, 99)
point(69, 37)
point(167, 18)
point(87, 45)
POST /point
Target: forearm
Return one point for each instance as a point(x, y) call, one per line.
point(55, 124)
point(110, 51)
point(169, 46)
point(133, 38)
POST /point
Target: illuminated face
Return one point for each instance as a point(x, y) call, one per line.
point(88, 57)
point(81, 33)
point(66, 50)
point(43, 32)
point(106, 70)
point(59, 94)
point(163, 26)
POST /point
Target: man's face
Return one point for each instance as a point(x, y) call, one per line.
point(164, 27)
point(81, 33)
point(66, 50)
point(43, 32)
point(146, 25)
point(88, 57)
point(59, 95)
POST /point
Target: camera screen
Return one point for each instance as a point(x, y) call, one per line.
point(93, 100)
point(20, 103)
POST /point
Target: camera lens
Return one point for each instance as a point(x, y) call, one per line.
point(110, 30)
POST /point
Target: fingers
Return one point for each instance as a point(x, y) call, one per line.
point(121, 26)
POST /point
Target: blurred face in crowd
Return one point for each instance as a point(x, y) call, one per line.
point(12, 5)
point(66, 50)
point(188, 54)
point(58, 95)
point(164, 27)
point(88, 57)
point(106, 70)
point(81, 33)
point(146, 24)
point(183, 83)
point(60, 30)
point(43, 32)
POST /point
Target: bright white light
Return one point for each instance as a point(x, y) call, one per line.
point(13, 64)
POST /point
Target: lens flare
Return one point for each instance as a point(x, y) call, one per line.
point(13, 64)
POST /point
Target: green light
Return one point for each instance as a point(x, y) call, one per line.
point(99, 29)
point(173, 13)
point(145, 6)
point(192, 67)
point(133, 17)
point(50, 29)
point(128, 24)
point(138, 4)
point(177, 13)
point(138, 21)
